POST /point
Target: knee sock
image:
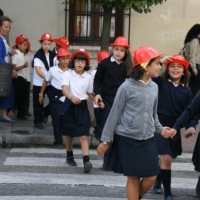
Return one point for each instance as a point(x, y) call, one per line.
point(166, 181)
point(69, 154)
point(86, 159)
point(158, 179)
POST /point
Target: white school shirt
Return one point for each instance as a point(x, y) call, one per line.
point(29, 59)
point(79, 85)
point(38, 80)
point(18, 59)
point(93, 72)
point(55, 77)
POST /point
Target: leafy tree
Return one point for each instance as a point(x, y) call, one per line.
point(139, 6)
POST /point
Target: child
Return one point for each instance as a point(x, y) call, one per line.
point(19, 64)
point(29, 59)
point(133, 119)
point(191, 115)
point(55, 77)
point(77, 86)
point(174, 97)
point(43, 60)
point(60, 42)
point(101, 55)
point(111, 73)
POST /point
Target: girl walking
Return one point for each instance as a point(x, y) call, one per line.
point(174, 97)
point(133, 120)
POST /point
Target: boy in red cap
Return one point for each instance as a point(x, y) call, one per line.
point(20, 65)
point(55, 77)
point(42, 62)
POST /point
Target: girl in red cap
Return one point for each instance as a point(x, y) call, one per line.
point(54, 77)
point(42, 62)
point(111, 73)
point(174, 97)
point(77, 86)
point(19, 64)
point(132, 122)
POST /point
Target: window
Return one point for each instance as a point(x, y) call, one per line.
point(86, 20)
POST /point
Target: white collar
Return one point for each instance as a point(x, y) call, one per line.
point(175, 85)
point(112, 59)
point(144, 82)
point(75, 74)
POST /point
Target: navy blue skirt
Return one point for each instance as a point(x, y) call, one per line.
point(133, 157)
point(76, 120)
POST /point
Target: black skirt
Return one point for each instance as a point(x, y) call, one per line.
point(133, 157)
point(196, 155)
point(76, 120)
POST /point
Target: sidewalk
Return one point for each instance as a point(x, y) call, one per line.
point(22, 132)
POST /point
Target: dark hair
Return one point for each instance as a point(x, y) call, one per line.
point(4, 19)
point(79, 56)
point(138, 71)
point(184, 79)
point(1, 13)
point(192, 33)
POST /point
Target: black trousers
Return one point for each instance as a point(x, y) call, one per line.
point(39, 111)
point(21, 94)
point(55, 106)
point(28, 96)
point(194, 83)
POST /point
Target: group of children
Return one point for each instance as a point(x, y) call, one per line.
point(134, 108)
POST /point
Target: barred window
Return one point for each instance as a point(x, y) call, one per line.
point(86, 21)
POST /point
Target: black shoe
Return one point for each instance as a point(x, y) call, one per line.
point(71, 161)
point(157, 187)
point(87, 167)
point(170, 197)
point(28, 114)
point(21, 117)
point(39, 126)
point(58, 146)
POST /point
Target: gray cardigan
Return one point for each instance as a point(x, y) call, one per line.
point(134, 111)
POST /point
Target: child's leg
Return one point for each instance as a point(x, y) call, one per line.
point(85, 151)
point(70, 156)
point(146, 184)
point(165, 165)
point(132, 187)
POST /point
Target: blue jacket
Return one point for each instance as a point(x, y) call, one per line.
point(2, 50)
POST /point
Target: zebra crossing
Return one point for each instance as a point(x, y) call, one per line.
point(46, 167)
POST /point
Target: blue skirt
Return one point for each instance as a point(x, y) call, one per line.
point(133, 157)
point(8, 101)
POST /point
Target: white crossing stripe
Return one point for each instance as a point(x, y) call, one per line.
point(48, 150)
point(60, 162)
point(57, 198)
point(80, 179)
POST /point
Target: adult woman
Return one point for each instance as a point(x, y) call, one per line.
point(8, 101)
point(192, 54)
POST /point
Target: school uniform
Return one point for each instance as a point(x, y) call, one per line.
point(29, 59)
point(55, 77)
point(8, 101)
point(133, 120)
point(21, 89)
point(44, 61)
point(172, 101)
point(192, 115)
point(109, 76)
point(75, 117)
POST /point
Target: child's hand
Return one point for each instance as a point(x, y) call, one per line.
point(165, 59)
point(168, 132)
point(25, 64)
point(102, 148)
point(101, 104)
point(97, 99)
point(190, 132)
point(41, 99)
point(14, 74)
point(75, 100)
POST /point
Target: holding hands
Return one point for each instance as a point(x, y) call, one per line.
point(168, 132)
point(190, 132)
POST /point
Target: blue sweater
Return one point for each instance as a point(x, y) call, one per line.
point(191, 114)
point(172, 100)
point(2, 50)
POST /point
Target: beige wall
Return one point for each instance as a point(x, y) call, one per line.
point(34, 17)
point(166, 26)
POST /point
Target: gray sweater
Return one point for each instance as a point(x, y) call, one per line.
point(134, 111)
